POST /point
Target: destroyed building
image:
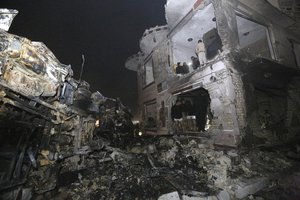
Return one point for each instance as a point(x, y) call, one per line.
point(249, 83)
point(237, 140)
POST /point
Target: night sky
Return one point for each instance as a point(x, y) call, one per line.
point(105, 31)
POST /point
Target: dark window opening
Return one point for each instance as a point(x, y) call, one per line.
point(148, 72)
point(213, 43)
point(254, 38)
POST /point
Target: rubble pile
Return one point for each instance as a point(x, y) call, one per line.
point(125, 177)
point(137, 173)
point(179, 167)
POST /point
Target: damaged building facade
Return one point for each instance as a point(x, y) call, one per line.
point(248, 88)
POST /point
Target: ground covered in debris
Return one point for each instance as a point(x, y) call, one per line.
point(187, 165)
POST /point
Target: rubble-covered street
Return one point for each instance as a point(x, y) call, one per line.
point(181, 167)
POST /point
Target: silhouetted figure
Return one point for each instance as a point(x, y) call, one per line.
point(201, 106)
point(195, 62)
point(176, 110)
point(162, 114)
point(187, 107)
point(186, 67)
point(182, 69)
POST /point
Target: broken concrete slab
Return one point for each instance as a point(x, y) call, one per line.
point(223, 195)
point(170, 196)
point(250, 186)
point(176, 196)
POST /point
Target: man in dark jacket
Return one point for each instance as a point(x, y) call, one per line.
point(176, 110)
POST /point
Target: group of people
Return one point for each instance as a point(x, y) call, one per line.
point(198, 61)
point(198, 111)
point(182, 69)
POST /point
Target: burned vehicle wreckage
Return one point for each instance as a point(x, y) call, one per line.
point(46, 116)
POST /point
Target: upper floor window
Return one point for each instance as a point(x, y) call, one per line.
point(196, 42)
point(213, 43)
point(148, 72)
point(254, 38)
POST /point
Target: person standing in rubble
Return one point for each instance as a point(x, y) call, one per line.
point(162, 114)
point(201, 107)
point(200, 51)
point(176, 110)
point(187, 107)
point(176, 115)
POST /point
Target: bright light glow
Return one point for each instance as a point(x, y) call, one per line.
point(207, 125)
point(140, 133)
point(135, 122)
point(97, 123)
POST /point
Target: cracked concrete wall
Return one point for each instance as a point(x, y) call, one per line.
point(280, 40)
